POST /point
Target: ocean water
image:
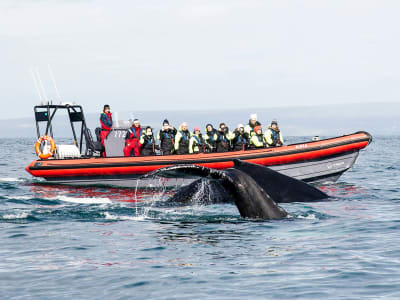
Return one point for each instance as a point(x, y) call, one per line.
point(61, 242)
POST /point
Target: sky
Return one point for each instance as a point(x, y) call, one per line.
point(199, 54)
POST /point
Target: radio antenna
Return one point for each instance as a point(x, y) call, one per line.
point(54, 82)
point(42, 88)
point(36, 85)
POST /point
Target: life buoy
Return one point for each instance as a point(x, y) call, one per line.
point(39, 143)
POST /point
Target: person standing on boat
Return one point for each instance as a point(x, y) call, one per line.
point(166, 136)
point(240, 140)
point(257, 140)
point(147, 142)
point(210, 138)
point(132, 145)
point(249, 129)
point(106, 124)
point(224, 138)
point(196, 142)
point(273, 135)
point(182, 139)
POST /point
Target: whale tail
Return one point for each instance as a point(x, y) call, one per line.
point(253, 188)
point(281, 188)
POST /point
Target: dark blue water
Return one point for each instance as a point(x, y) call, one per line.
point(98, 243)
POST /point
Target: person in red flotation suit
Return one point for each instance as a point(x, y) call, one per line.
point(106, 124)
point(132, 145)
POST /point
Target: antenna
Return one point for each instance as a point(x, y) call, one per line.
point(116, 119)
point(54, 82)
point(41, 85)
point(36, 85)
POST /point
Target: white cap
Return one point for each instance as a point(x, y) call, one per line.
point(240, 126)
point(253, 117)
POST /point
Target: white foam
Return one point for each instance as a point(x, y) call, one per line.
point(124, 218)
point(88, 200)
point(19, 197)
point(10, 179)
point(92, 200)
point(23, 215)
point(309, 217)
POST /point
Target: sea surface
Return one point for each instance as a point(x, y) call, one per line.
point(59, 242)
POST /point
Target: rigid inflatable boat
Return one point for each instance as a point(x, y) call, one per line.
point(321, 160)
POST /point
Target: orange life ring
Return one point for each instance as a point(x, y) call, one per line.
point(39, 143)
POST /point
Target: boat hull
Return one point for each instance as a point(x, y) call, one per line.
point(323, 160)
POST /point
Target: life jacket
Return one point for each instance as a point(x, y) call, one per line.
point(275, 135)
point(184, 142)
point(106, 121)
point(260, 138)
point(131, 135)
point(222, 143)
point(240, 141)
point(199, 142)
point(148, 146)
point(185, 137)
point(210, 134)
point(167, 137)
point(250, 128)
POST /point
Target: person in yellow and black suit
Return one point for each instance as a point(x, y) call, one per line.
point(166, 136)
point(182, 139)
point(210, 138)
point(224, 138)
point(147, 142)
point(249, 129)
point(196, 142)
point(240, 140)
point(257, 140)
point(273, 135)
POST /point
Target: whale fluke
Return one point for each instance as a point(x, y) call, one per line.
point(254, 189)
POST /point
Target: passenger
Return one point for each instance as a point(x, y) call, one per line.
point(132, 145)
point(257, 140)
point(182, 139)
point(166, 136)
point(196, 142)
point(273, 135)
point(106, 123)
point(210, 138)
point(147, 142)
point(249, 129)
point(224, 138)
point(240, 140)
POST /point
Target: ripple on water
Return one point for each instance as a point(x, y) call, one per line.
point(343, 248)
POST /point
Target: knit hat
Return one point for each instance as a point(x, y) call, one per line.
point(165, 122)
point(274, 121)
point(257, 128)
point(240, 126)
point(253, 117)
point(197, 128)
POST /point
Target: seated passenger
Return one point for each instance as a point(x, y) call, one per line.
point(147, 142)
point(132, 145)
point(166, 136)
point(210, 138)
point(196, 142)
point(273, 135)
point(106, 124)
point(240, 140)
point(249, 129)
point(182, 139)
point(224, 138)
point(257, 140)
